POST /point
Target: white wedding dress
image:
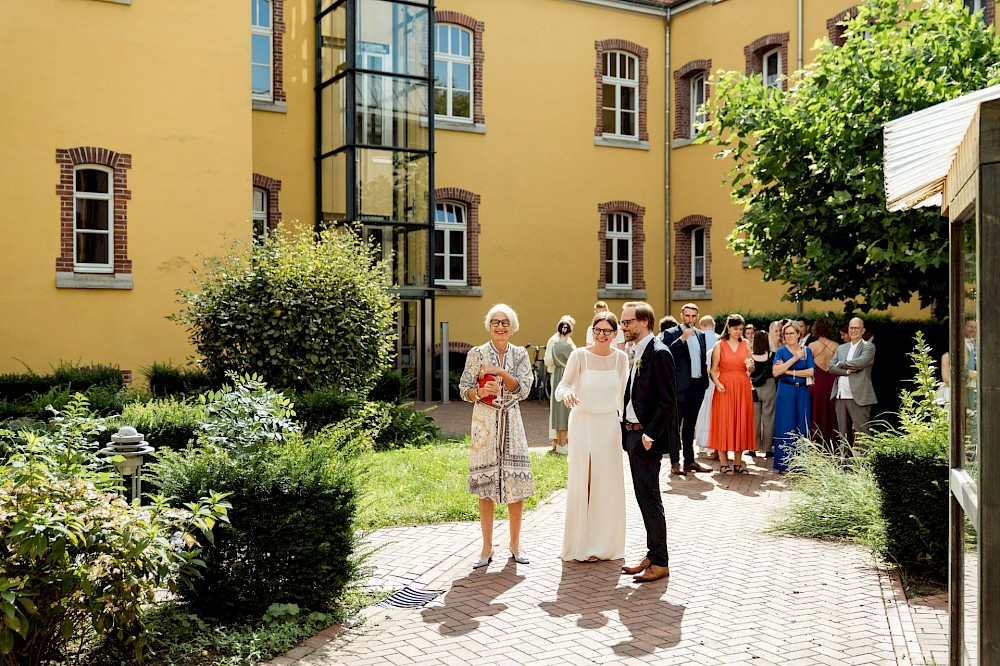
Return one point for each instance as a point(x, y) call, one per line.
point(595, 523)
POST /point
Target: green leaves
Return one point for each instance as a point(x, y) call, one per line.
point(807, 163)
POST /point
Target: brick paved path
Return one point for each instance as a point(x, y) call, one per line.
point(736, 592)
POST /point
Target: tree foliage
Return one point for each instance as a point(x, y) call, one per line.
point(808, 161)
point(298, 311)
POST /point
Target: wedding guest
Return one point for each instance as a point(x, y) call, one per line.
point(793, 364)
point(497, 376)
point(748, 334)
point(731, 426)
point(774, 335)
point(550, 367)
point(853, 392)
point(593, 388)
point(824, 419)
point(764, 390)
point(558, 412)
point(707, 325)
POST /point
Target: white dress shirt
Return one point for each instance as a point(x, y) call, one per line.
point(844, 382)
point(638, 347)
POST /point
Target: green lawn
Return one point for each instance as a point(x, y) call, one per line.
point(428, 485)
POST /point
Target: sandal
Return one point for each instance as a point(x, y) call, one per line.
point(740, 469)
point(726, 469)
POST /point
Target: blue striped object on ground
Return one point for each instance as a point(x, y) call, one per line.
point(409, 597)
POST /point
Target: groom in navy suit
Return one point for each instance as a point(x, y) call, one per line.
point(687, 344)
point(649, 429)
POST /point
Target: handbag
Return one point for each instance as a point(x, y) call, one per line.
point(482, 384)
point(810, 381)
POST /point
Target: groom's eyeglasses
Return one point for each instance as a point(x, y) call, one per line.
point(603, 331)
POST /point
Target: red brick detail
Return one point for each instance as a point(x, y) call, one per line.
point(478, 56)
point(835, 27)
point(682, 95)
point(272, 186)
point(990, 13)
point(638, 214)
point(119, 163)
point(754, 54)
point(683, 232)
point(472, 228)
point(642, 53)
point(278, 50)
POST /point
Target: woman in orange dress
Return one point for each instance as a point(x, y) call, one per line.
point(731, 425)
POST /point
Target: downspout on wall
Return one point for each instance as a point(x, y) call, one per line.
point(667, 294)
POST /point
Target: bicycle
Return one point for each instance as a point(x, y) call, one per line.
point(540, 389)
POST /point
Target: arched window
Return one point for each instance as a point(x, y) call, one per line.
point(259, 214)
point(618, 251)
point(261, 50)
point(450, 244)
point(453, 72)
point(771, 68)
point(697, 102)
point(699, 258)
point(93, 232)
point(620, 80)
point(768, 56)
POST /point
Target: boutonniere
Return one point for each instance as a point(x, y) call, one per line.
point(638, 366)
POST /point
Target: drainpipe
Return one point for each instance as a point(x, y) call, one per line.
point(798, 59)
point(666, 162)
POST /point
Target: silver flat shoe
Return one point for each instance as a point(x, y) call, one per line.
point(479, 564)
point(520, 558)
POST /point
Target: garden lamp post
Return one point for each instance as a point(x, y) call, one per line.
point(129, 444)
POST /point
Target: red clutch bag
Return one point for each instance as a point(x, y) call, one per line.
point(482, 384)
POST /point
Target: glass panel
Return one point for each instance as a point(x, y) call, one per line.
point(259, 229)
point(608, 118)
point(393, 186)
point(609, 64)
point(971, 347)
point(333, 54)
point(440, 101)
point(460, 76)
point(609, 272)
point(440, 73)
point(260, 13)
point(460, 105)
point(628, 123)
point(609, 249)
point(456, 242)
point(631, 68)
point(456, 272)
point(623, 276)
point(627, 98)
point(392, 112)
point(92, 180)
point(399, 31)
point(260, 80)
point(439, 267)
point(699, 242)
point(608, 91)
point(699, 271)
point(92, 248)
point(258, 200)
point(466, 49)
point(441, 39)
point(410, 249)
point(260, 49)
point(92, 214)
point(333, 130)
point(333, 187)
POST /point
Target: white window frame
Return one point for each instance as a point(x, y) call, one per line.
point(613, 61)
point(699, 95)
point(619, 227)
point(375, 93)
point(451, 55)
point(696, 259)
point(772, 79)
point(109, 265)
point(458, 224)
point(260, 203)
point(264, 28)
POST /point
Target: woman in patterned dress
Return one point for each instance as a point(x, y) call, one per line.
point(499, 465)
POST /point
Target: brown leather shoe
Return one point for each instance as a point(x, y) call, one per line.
point(639, 568)
point(697, 467)
point(652, 573)
point(676, 469)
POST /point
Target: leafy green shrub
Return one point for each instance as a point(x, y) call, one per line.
point(910, 465)
point(325, 406)
point(168, 380)
point(245, 415)
point(74, 557)
point(166, 423)
point(18, 385)
point(291, 534)
point(391, 386)
point(300, 311)
point(394, 426)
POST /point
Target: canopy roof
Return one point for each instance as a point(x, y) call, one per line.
point(920, 147)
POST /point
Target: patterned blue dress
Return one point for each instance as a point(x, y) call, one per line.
point(792, 407)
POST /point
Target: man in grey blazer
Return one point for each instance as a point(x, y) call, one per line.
point(852, 393)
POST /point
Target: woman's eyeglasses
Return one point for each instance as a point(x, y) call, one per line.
point(603, 331)
point(496, 323)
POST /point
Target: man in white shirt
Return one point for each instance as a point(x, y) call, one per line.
point(853, 393)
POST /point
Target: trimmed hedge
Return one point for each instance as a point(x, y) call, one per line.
point(166, 424)
point(914, 487)
point(169, 380)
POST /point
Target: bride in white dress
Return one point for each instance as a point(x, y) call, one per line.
point(593, 386)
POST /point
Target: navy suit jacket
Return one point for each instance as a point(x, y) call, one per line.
point(654, 396)
point(682, 357)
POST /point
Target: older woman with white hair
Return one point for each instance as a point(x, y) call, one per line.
point(497, 376)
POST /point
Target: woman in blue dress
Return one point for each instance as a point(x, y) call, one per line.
point(793, 367)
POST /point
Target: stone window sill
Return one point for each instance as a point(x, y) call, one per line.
point(455, 126)
point(633, 144)
point(93, 281)
point(692, 294)
point(447, 290)
point(274, 107)
point(632, 294)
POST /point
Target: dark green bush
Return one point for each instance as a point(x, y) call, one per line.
point(291, 535)
point(18, 385)
point(29, 394)
point(391, 386)
point(322, 407)
point(394, 426)
point(166, 380)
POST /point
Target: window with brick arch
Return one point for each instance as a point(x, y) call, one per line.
point(618, 251)
point(835, 25)
point(699, 258)
point(693, 257)
point(267, 29)
point(768, 57)
point(94, 194)
point(620, 79)
point(453, 72)
point(450, 243)
point(690, 94)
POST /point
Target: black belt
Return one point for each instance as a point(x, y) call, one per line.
point(786, 381)
point(632, 426)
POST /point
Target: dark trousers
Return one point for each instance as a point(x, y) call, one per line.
point(645, 468)
point(688, 405)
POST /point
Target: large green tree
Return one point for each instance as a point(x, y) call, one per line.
point(808, 161)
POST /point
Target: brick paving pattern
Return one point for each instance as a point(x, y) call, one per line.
point(736, 593)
